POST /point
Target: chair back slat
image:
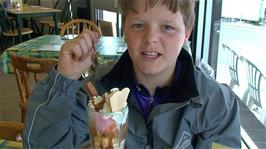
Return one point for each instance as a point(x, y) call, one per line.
point(77, 26)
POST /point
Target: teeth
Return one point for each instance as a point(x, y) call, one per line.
point(151, 53)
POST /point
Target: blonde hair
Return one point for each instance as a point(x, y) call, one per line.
point(186, 8)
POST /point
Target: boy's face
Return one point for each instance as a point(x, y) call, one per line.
point(154, 38)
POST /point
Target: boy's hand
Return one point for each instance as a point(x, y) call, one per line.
point(76, 55)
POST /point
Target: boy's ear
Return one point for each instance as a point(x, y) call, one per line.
point(187, 35)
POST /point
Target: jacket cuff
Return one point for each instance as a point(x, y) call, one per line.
point(62, 84)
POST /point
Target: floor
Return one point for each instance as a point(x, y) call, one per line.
point(9, 93)
point(9, 98)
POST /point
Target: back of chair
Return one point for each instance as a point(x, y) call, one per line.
point(8, 29)
point(10, 130)
point(254, 77)
point(232, 64)
point(76, 26)
point(23, 66)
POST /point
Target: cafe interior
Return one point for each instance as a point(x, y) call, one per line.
point(227, 44)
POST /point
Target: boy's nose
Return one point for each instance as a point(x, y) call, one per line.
point(151, 35)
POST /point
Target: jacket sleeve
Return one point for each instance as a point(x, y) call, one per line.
point(56, 114)
point(218, 120)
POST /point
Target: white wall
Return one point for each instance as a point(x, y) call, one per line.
point(242, 9)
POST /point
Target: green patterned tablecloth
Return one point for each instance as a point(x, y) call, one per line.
point(7, 144)
point(48, 46)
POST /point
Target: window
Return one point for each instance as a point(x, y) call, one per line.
point(111, 17)
point(244, 32)
point(231, 35)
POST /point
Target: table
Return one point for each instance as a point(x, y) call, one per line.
point(7, 144)
point(32, 11)
point(48, 46)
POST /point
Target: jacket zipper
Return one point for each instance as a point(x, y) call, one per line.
point(149, 134)
point(148, 108)
point(151, 101)
point(149, 144)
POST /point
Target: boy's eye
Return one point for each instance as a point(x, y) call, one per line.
point(138, 25)
point(168, 27)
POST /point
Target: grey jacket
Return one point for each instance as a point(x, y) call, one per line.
point(202, 112)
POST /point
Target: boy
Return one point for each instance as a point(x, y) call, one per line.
point(172, 104)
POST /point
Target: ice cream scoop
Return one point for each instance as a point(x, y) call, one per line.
point(111, 101)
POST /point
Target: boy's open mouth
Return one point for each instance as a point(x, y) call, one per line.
point(151, 54)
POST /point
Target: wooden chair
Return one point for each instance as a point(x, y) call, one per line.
point(23, 66)
point(233, 59)
point(76, 26)
point(11, 130)
point(9, 30)
point(65, 15)
point(32, 20)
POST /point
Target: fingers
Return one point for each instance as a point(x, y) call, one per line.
point(76, 55)
point(95, 37)
point(83, 46)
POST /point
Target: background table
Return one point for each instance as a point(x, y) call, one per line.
point(32, 11)
point(48, 46)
